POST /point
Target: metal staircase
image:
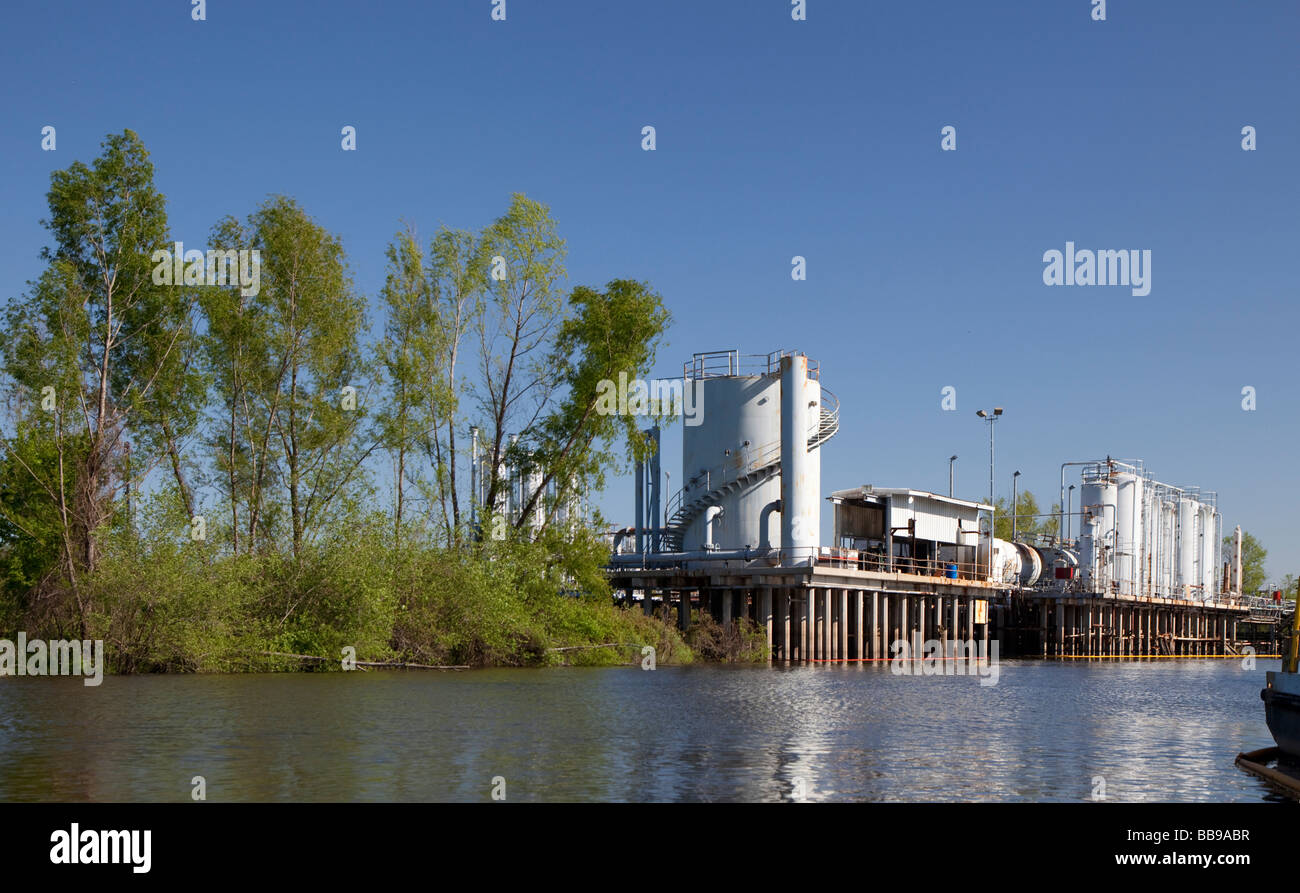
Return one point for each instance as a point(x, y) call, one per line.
point(745, 469)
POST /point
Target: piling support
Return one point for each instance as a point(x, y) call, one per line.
point(875, 624)
point(860, 644)
point(844, 624)
point(765, 617)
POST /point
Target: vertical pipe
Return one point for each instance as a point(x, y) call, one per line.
point(799, 481)
point(639, 508)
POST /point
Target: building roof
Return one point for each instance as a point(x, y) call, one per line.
point(868, 492)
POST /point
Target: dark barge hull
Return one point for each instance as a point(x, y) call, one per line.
point(1282, 710)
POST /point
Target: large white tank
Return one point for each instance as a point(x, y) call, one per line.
point(1168, 541)
point(740, 427)
point(1098, 497)
point(1189, 547)
point(1088, 553)
point(1006, 560)
point(1128, 532)
point(1031, 564)
point(1209, 551)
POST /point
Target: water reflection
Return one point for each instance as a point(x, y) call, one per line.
point(1046, 731)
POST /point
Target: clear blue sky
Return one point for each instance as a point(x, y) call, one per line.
point(778, 138)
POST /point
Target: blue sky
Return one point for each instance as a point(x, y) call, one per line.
point(778, 138)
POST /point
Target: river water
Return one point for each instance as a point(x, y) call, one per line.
point(1045, 732)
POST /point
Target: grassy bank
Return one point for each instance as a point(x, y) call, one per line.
point(171, 604)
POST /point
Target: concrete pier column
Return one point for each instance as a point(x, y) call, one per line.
point(684, 609)
point(783, 622)
point(837, 624)
point(905, 619)
point(844, 624)
point(807, 628)
point(648, 603)
point(875, 624)
point(1042, 626)
point(765, 616)
point(859, 626)
point(826, 626)
point(726, 609)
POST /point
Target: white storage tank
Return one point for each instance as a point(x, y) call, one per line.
point(1128, 532)
point(740, 428)
point(1189, 545)
point(1209, 551)
point(1168, 541)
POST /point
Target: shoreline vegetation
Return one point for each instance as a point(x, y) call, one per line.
point(216, 461)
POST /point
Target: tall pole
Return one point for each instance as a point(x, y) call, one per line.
point(1069, 515)
point(990, 416)
point(952, 476)
point(1015, 479)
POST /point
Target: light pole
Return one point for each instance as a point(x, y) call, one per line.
point(990, 416)
point(1015, 479)
point(952, 475)
point(1069, 514)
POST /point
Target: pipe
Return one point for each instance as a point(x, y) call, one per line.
point(712, 512)
point(764, 520)
point(1236, 560)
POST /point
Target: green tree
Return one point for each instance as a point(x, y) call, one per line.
point(1029, 521)
point(288, 365)
point(106, 337)
point(523, 310)
point(410, 353)
point(607, 333)
point(459, 273)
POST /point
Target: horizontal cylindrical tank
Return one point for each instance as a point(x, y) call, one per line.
point(1058, 564)
point(1005, 567)
point(1031, 564)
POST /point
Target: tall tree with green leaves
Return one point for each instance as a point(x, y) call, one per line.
point(290, 374)
point(1030, 519)
point(410, 353)
point(460, 278)
point(105, 336)
point(523, 311)
point(608, 332)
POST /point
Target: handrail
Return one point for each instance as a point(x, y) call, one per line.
point(724, 363)
point(765, 456)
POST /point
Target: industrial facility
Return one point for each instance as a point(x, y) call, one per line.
point(742, 537)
